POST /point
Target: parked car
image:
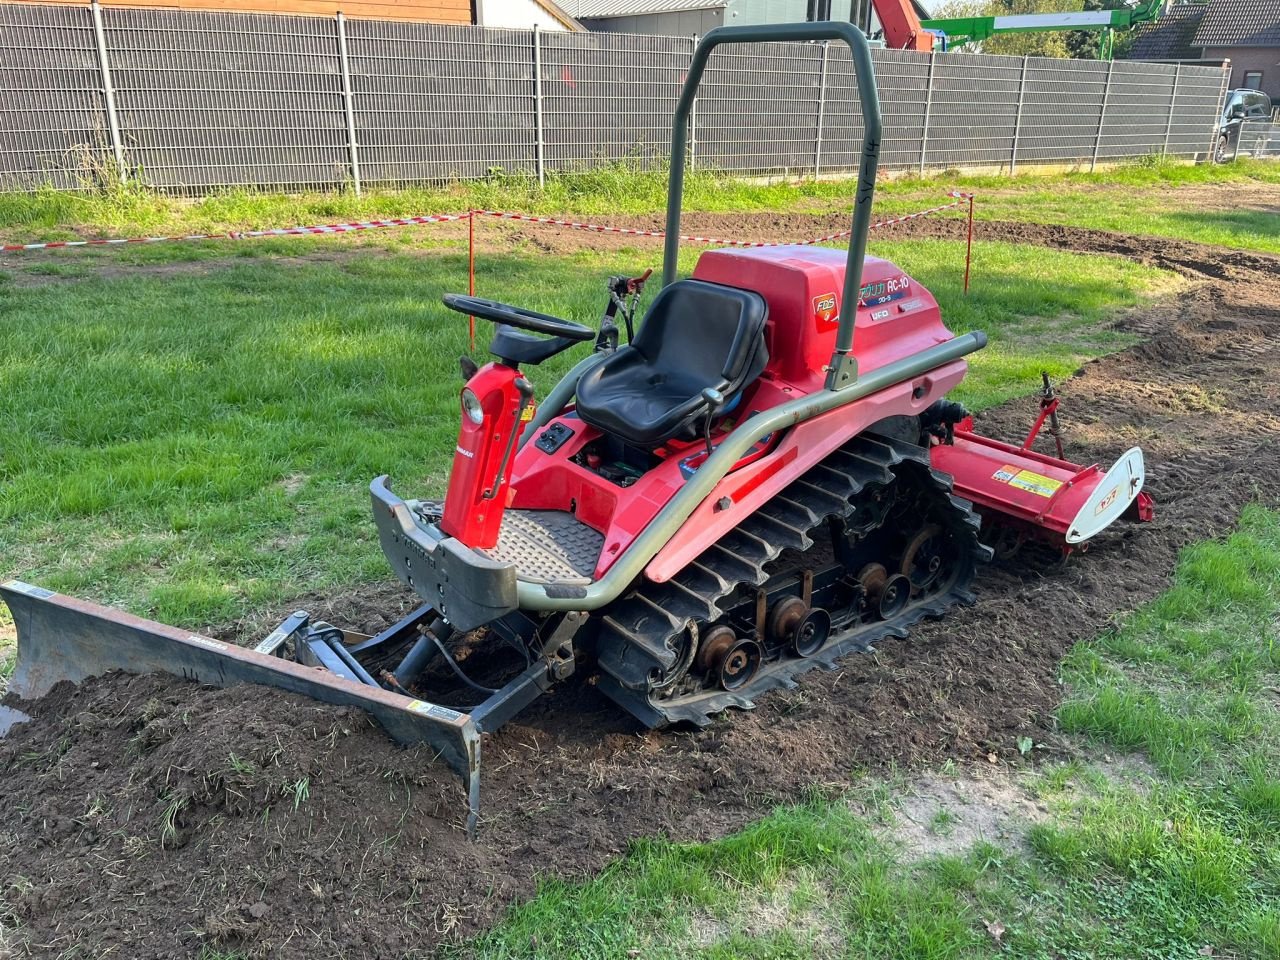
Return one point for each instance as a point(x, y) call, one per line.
point(1241, 105)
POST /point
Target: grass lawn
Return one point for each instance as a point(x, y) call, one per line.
point(1155, 198)
point(196, 441)
point(1179, 859)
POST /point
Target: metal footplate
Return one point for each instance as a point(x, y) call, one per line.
point(547, 546)
point(638, 637)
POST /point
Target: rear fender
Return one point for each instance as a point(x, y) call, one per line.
point(744, 491)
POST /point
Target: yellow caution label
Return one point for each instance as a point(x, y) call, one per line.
point(1041, 486)
point(527, 413)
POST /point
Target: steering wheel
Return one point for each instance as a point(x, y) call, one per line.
point(519, 317)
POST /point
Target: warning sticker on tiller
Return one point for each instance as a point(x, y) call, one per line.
point(1041, 486)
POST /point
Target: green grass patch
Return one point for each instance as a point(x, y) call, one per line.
point(805, 881)
point(615, 189)
point(197, 443)
point(1191, 858)
point(1190, 679)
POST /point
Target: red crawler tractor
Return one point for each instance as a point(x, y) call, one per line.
point(766, 477)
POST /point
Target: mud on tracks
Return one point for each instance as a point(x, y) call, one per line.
point(158, 818)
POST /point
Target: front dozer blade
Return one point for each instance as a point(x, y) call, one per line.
point(61, 638)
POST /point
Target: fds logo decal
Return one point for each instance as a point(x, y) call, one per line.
point(824, 311)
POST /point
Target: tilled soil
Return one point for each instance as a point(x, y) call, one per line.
point(155, 818)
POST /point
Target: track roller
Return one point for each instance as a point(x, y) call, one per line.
point(887, 595)
point(739, 665)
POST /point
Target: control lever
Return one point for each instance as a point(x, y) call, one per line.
point(714, 400)
point(624, 296)
point(525, 389)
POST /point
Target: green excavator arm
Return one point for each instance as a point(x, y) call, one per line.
point(959, 31)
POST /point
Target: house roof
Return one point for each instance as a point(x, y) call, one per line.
point(1240, 23)
point(558, 11)
point(1171, 37)
point(590, 9)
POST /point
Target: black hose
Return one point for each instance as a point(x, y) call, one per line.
point(453, 664)
point(415, 662)
point(335, 644)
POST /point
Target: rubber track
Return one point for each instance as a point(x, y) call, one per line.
point(637, 632)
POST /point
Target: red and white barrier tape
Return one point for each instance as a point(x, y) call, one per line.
point(244, 234)
point(353, 227)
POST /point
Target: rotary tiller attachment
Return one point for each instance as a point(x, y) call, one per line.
point(1032, 495)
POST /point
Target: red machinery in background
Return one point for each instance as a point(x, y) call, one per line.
point(900, 21)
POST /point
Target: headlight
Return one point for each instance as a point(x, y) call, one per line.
point(471, 407)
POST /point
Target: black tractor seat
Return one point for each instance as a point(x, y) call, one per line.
point(696, 335)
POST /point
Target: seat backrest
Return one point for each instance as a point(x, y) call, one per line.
point(700, 333)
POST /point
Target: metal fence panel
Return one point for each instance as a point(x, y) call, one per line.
point(228, 99)
point(841, 119)
point(1259, 139)
point(1138, 110)
point(904, 85)
point(53, 124)
point(435, 102)
point(905, 104)
point(608, 96)
point(974, 108)
point(758, 108)
point(1061, 109)
point(211, 99)
point(1197, 107)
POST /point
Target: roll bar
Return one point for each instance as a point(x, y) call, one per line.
point(843, 369)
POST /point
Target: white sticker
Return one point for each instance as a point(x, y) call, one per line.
point(435, 711)
point(206, 642)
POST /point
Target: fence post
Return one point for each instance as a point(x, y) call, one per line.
point(1017, 119)
point(693, 115)
point(1213, 127)
point(928, 108)
point(537, 107)
point(822, 105)
point(1173, 104)
point(348, 101)
point(1102, 116)
point(108, 90)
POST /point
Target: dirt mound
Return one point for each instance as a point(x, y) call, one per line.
point(372, 859)
point(153, 817)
